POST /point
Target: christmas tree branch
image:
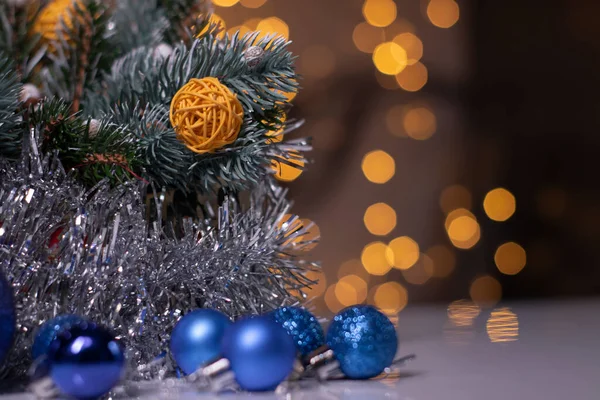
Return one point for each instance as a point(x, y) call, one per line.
point(18, 40)
point(10, 116)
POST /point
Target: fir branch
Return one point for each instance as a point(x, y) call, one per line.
point(140, 23)
point(82, 50)
point(18, 40)
point(145, 83)
point(107, 153)
point(10, 115)
point(186, 18)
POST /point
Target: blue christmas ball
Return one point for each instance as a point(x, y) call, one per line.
point(260, 351)
point(363, 340)
point(196, 339)
point(302, 326)
point(86, 361)
point(50, 330)
point(7, 317)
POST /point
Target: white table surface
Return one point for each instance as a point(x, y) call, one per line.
point(556, 355)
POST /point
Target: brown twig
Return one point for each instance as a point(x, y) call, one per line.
point(83, 64)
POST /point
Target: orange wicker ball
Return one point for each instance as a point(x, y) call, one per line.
point(206, 115)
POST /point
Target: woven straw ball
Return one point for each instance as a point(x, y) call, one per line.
point(206, 115)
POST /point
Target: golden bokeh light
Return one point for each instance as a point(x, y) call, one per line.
point(454, 197)
point(390, 297)
point(454, 214)
point(331, 301)
point(503, 326)
point(552, 202)
point(350, 290)
point(378, 166)
point(464, 232)
point(413, 77)
point(345, 293)
point(404, 252)
point(499, 204)
point(380, 13)
point(463, 312)
point(462, 229)
point(288, 173)
point(390, 58)
point(420, 123)
point(317, 289)
point(380, 219)
point(353, 267)
point(317, 61)
point(444, 260)
point(443, 13)
point(366, 37)
point(421, 272)
point(510, 258)
point(225, 3)
point(375, 258)
point(273, 25)
point(485, 291)
point(252, 3)
point(412, 44)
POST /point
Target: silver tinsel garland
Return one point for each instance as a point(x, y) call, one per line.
point(134, 274)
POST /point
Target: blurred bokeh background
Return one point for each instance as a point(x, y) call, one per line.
point(455, 147)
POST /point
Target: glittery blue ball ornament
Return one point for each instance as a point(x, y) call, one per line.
point(196, 339)
point(302, 326)
point(86, 361)
point(50, 330)
point(260, 351)
point(7, 317)
point(363, 340)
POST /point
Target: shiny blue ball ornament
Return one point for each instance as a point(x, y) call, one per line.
point(7, 317)
point(260, 351)
point(86, 361)
point(302, 326)
point(196, 339)
point(50, 330)
point(363, 340)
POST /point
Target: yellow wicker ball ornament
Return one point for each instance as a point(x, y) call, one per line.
point(50, 20)
point(206, 115)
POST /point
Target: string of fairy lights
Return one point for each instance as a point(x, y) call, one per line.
point(397, 51)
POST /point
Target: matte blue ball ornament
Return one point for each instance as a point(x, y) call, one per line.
point(86, 361)
point(302, 326)
point(363, 340)
point(196, 339)
point(49, 330)
point(260, 351)
point(7, 317)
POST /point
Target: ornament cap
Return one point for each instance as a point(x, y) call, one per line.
point(216, 375)
point(323, 364)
